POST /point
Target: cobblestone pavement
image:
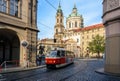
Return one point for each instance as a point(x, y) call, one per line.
point(89, 74)
point(81, 70)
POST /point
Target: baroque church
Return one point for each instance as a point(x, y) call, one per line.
point(74, 36)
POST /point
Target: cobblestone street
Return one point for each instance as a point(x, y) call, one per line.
point(89, 74)
point(81, 70)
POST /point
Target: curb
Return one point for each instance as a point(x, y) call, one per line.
point(101, 71)
point(19, 69)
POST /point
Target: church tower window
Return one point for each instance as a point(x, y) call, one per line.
point(61, 20)
point(57, 20)
point(56, 30)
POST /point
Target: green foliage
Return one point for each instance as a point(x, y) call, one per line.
point(97, 45)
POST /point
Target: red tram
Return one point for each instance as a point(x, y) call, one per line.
point(58, 58)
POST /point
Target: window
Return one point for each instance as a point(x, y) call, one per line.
point(92, 36)
point(14, 7)
point(63, 53)
point(11, 7)
point(82, 43)
point(77, 40)
point(56, 30)
point(57, 20)
point(75, 24)
point(83, 37)
point(98, 29)
point(61, 20)
point(69, 24)
point(87, 37)
point(3, 6)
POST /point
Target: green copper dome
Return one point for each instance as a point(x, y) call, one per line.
point(74, 12)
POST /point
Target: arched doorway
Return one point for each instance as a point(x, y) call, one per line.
point(9, 46)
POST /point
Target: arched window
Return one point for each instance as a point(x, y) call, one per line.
point(77, 40)
point(69, 24)
point(75, 23)
point(57, 20)
point(61, 20)
point(56, 30)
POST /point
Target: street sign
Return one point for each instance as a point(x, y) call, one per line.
point(24, 43)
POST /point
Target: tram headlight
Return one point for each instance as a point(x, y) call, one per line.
point(53, 61)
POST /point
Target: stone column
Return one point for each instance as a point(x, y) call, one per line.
point(111, 21)
point(8, 6)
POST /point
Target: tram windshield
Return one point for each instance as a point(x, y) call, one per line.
point(54, 53)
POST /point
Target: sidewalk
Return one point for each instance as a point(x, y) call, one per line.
point(18, 69)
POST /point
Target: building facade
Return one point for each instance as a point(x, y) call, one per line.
point(18, 31)
point(111, 20)
point(87, 35)
point(74, 36)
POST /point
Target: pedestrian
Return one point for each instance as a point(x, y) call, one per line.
point(37, 60)
point(40, 59)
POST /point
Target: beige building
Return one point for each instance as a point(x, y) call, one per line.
point(18, 31)
point(87, 34)
point(74, 36)
point(48, 44)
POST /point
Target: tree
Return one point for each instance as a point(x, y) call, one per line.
point(97, 45)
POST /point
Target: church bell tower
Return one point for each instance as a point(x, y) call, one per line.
point(59, 26)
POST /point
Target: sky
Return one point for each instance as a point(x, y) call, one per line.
point(91, 10)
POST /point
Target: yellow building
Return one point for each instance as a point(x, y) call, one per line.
point(87, 34)
point(18, 31)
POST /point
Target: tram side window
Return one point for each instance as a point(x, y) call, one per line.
point(58, 53)
point(67, 54)
point(62, 53)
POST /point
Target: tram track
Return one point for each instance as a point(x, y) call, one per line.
point(44, 74)
point(35, 74)
point(26, 74)
point(82, 69)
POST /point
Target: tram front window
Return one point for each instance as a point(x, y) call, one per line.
point(53, 54)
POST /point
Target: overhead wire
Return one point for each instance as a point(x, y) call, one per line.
point(53, 6)
point(37, 13)
point(25, 16)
